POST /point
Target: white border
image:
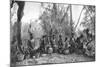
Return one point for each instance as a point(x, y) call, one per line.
point(5, 32)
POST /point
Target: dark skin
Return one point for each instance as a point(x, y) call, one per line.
point(54, 44)
point(60, 44)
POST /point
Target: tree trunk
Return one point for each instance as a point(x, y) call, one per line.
point(19, 15)
point(71, 22)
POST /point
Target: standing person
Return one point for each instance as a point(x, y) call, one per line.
point(60, 44)
point(55, 46)
point(42, 45)
point(72, 45)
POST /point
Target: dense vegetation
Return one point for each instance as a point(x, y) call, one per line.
point(55, 34)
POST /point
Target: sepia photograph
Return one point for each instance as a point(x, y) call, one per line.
point(43, 33)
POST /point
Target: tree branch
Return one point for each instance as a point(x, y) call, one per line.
point(64, 14)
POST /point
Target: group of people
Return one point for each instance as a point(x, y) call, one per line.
point(49, 44)
point(56, 44)
point(53, 44)
point(60, 44)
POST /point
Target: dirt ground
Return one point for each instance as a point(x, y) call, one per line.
point(55, 58)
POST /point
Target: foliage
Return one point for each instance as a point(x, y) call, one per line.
point(89, 19)
point(53, 32)
point(56, 19)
